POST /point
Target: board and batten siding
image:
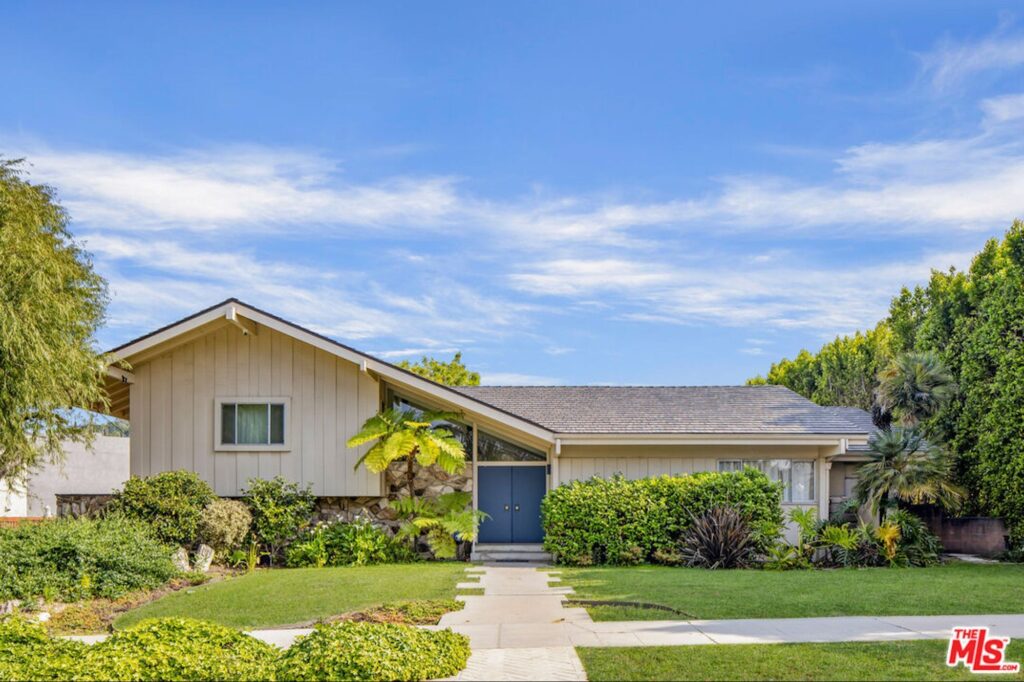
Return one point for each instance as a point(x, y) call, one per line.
point(172, 405)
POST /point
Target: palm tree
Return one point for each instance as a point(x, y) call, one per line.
point(914, 387)
point(417, 437)
point(905, 467)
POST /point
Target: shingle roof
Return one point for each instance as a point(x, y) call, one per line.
point(857, 417)
point(665, 409)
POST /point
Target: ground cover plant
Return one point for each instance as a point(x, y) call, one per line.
point(374, 651)
point(618, 521)
point(358, 543)
point(915, 660)
point(268, 598)
point(954, 588)
point(72, 559)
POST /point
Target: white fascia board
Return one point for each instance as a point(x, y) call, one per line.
point(171, 332)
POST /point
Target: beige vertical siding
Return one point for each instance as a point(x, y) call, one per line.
point(173, 401)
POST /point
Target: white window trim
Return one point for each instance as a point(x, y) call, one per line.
point(789, 503)
point(252, 400)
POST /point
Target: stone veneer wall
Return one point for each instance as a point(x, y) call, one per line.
point(74, 505)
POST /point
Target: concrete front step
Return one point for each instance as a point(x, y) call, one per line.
point(532, 553)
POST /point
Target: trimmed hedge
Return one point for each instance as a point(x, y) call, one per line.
point(71, 559)
point(618, 521)
point(374, 651)
point(171, 502)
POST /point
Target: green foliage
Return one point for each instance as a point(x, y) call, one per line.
point(358, 543)
point(914, 387)
point(279, 511)
point(171, 503)
point(412, 436)
point(843, 372)
point(445, 519)
point(224, 524)
point(918, 546)
point(180, 649)
point(28, 653)
point(453, 373)
point(905, 467)
point(616, 521)
point(71, 559)
point(51, 304)
point(374, 651)
point(718, 538)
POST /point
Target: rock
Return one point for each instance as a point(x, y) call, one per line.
point(8, 606)
point(43, 616)
point(180, 560)
point(204, 557)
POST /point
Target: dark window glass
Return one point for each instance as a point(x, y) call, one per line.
point(227, 423)
point(277, 424)
point(464, 432)
point(494, 449)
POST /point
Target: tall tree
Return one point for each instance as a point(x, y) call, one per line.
point(51, 304)
point(452, 373)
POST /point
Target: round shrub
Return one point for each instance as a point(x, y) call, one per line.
point(28, 653)
point(618, 521)
point(71, 559)
point(171, 503)
point(180, 649)
point(374, 651)
point(223, 525)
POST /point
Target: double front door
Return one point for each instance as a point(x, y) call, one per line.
point(511, 496)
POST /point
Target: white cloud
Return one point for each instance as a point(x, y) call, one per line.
point(513, 379)
point(1003, 108)
point(951, 63)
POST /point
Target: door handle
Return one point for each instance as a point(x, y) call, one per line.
point(506, 507)
point(517, 507)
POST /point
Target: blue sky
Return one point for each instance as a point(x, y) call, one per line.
point(623, 193)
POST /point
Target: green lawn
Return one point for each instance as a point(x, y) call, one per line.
point(278, 597)
point(918, 660)
point(955, 588)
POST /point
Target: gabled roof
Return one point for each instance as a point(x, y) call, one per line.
point(232, 308)
point(860, 419)
point(665, 409)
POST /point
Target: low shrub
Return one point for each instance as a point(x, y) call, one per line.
point(718, 538)
point(71, 559)
point(374, 651)
point(171, 502)
point(224, 524)
point(358, 543)
point(617, 521)
point(279, 511)
point(28, 653)
point(917, 545)
point(180, 649)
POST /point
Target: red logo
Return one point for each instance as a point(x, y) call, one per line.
point(978, 652)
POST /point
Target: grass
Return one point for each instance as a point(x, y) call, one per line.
point(955, 588)
point(916, 660)
point(280, 597)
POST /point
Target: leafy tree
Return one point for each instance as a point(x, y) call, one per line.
point(51, 304)
point(452, 373)
point(905, 467)
point(412, 436)
point(914, 387)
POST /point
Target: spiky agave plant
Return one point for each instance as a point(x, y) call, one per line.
point(413, 436)
point(718, 538)
point(444, 519)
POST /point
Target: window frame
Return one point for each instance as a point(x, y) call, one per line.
point(787, 492)
point(220, 401)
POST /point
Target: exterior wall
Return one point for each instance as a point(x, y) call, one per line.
point(98, 471)
point(580, 462)
point(13, 501)
point(172, 412)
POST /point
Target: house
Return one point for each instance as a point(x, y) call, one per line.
point(235, 393)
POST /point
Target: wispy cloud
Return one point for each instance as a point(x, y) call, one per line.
point(1003, 108)
point(952, 62)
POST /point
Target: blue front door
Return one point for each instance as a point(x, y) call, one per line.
point(511, 496)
